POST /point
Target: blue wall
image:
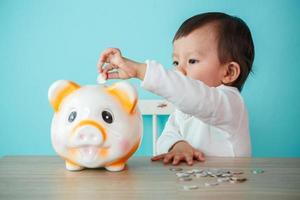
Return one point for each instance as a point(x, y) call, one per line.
point(42, 41)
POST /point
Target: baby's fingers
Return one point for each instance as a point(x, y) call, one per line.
point(113, 75)
point(105, 71)
point(168, 158)
point(189, 159)
point(198, 155)
point(177, 159)
point(108, 68)
point(105, 55)
point(158, 157)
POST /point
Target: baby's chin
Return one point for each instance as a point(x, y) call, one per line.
point(206, 82)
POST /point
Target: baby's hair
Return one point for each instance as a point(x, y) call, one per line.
point(234, 40)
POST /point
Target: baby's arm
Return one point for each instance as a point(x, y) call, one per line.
point(169, 136)
point(172, 148)
point(214, 106)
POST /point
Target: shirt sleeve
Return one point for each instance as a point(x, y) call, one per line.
point(169, 136)
point(217, 106)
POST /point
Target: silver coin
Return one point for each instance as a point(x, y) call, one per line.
point(202, 174)
point(223, 179)
point(237, 172)
point(233, 182)
point(185, 179)
point(190, 172)
point(215, 172)
point(198, 175)
point(101, 79)
point(226, 175)
point(190, 187)
point(197, 170)
point(209, 184)
point(182, 174)
point(175, 169)
point(257, 171)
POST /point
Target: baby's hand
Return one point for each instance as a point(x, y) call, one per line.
point(181, 152)
point(124, 68)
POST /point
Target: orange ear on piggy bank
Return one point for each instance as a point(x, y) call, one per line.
point(59, 90)
point(125, 94)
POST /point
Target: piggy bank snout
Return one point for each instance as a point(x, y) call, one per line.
point(87, 136)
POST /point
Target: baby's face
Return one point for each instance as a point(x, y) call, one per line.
point(196, 56)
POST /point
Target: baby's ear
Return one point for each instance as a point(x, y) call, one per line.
point(59, 90)
point(125, 94)
point(231, 73)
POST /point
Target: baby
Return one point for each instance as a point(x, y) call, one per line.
point(212, 55)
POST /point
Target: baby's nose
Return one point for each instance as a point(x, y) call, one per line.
point(181, 69)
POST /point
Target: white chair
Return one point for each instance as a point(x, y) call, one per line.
point(155, 108)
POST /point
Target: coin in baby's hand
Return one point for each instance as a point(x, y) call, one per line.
point(101, 79)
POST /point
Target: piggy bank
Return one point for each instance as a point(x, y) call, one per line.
point(95, 125)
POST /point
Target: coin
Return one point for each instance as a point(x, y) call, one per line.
point(215, 172)
point(238, 178)
point(190, 187)
point(197, 170)
point(233, 182)
point(257, 171)
point(175, 169)
point(185, 179)
point(101, 79)
point(202, 174)
point(237, 172)
point(190, 172)
point(208, 184)
point(226, 175)
point(223, 179)
point(182, 174)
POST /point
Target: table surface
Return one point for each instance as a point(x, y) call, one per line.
point(45, 177)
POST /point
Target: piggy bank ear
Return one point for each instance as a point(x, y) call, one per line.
point(59, 90)
point(125, 94)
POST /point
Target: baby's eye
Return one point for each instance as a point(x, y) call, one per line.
point(193, 61)
point(175, 63)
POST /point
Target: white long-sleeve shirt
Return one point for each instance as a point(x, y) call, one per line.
point(213, 120)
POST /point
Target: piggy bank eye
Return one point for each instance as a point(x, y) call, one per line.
point(107, 116)
point(72, 116)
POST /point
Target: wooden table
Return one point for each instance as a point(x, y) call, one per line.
point(44, 177)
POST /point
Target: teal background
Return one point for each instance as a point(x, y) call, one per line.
point(42, 41)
